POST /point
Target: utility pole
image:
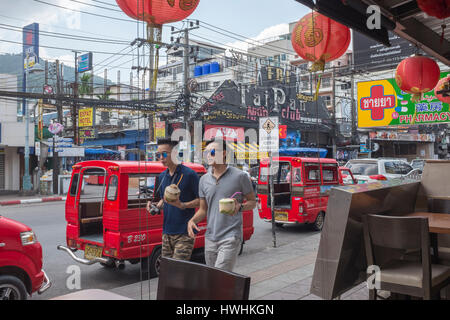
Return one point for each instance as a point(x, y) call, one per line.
point(75, 107)
point(59, 116)
point(353, 110)
point(26, 180)
point(333, 105)
point(186, 69)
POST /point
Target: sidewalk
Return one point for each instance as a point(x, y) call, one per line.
point(283, 273)
point(16, 198)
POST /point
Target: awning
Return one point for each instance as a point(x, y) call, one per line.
point(247, 151)
point(89, 152)
point(296, 151)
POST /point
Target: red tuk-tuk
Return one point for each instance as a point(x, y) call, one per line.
point(107, 218)
point(301, 188)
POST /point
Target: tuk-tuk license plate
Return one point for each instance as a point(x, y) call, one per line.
point(281, 216)
point(92, 252)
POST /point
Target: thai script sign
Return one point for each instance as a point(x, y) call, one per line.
point(381, 103)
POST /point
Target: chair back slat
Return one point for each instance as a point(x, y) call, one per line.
point(396, 232)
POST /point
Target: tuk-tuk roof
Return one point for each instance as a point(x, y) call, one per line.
point(136, 166)
point(299, 160)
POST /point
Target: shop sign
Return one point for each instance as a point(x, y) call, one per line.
point(277, 92)
point(381, 103)
point(85, 117)
point(399, 136)
point(224, 132)
point(160, 129)
point(86, 133)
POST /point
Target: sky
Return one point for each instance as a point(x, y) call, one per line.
point(255, 19)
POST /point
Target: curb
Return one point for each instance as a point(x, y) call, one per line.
point(13, 202)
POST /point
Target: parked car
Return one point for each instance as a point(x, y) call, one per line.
point(21, 272)
point(418, 163)
point(371, 170)
point(347, 176)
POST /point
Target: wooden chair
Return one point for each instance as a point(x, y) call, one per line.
point(412, 278)
point(441, 205)
point(186, 280)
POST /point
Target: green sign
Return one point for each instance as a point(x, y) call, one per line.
point(381, 103)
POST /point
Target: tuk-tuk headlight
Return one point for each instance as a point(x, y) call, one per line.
point(28, 237)
point(300, 209)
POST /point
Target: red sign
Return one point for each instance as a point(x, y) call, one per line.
point(283, 131)
point(224, 132)
point(377, 102)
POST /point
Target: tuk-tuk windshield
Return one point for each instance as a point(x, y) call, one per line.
point(141, 188)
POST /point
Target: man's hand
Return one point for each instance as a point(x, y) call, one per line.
point(191, 226)
point(237, 206)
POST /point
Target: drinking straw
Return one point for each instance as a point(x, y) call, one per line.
point(235, 194)
point(180, 180)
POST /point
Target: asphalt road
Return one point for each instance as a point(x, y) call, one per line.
point(48, 222)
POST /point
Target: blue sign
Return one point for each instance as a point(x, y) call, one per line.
point(293, 139)
point(30, 35)
point(85, 62)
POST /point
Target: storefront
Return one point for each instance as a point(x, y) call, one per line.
point(129, 143)
point(233, 113)
point(403, 145)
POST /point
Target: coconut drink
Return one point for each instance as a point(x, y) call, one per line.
point(172, 193)
point(227, 206)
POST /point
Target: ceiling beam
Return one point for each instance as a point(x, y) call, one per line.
point(425, 39)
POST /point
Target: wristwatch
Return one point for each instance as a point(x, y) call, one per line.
point(183, 206)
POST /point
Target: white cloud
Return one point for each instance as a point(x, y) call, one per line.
point(24, 12)
point(268, 33)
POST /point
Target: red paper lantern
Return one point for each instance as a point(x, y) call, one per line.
point(158, 12)
point(442, 84)
point(416, 75)
point(435, 8)
point(320, 39)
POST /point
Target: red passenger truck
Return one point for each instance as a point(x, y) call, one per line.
point(109, 222)
point(301, 188)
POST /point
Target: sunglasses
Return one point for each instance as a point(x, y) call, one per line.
point(212, 152)
point(163, 154)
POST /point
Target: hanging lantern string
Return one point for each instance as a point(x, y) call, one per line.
point(443, 26)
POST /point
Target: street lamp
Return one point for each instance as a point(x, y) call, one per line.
point(26, 182)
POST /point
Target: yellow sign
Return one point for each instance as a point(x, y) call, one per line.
point(160, 129)
point(85, 117)
point(377, 101)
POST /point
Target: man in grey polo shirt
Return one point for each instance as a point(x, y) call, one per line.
point(223, 235)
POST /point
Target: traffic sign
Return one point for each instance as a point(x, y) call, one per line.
point(269, 134)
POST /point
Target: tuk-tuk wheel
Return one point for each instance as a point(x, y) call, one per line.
point(318, 223)
point(154, 260)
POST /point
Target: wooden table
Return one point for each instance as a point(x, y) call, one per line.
point(437, 223)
